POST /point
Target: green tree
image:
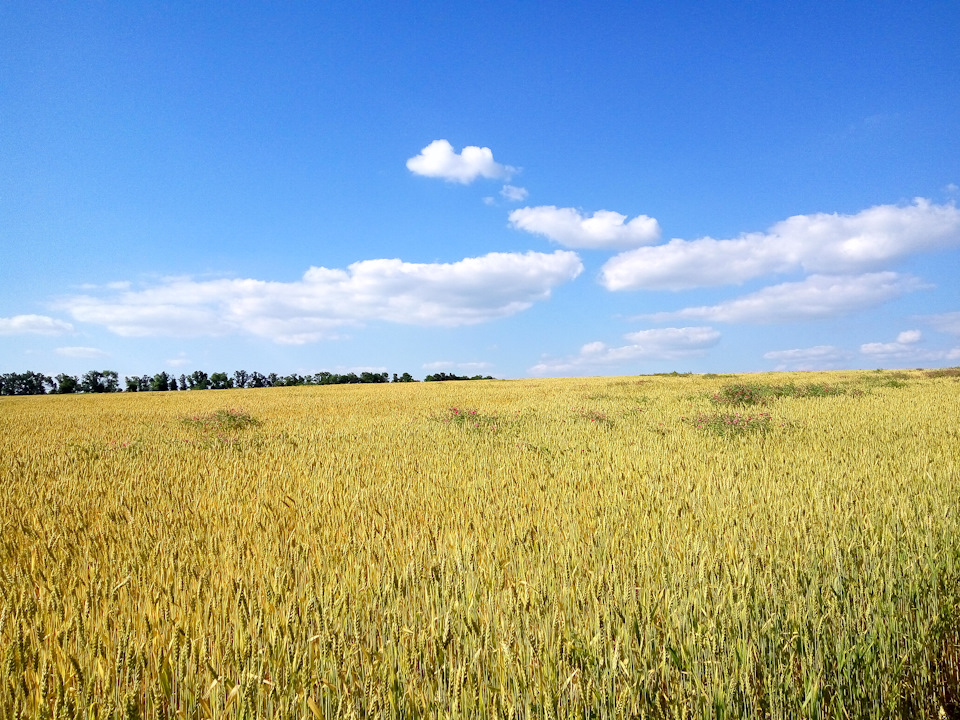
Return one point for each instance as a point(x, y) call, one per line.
point(100, 381)
point(160, 382)
point(67, 384)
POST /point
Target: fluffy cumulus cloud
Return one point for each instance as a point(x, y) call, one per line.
point(440, 160)
point(604, 229)
point(81, 352)
point(33, 325)
point(818, 243)
point(325, 300)
point(657, 344)
point(818, 296)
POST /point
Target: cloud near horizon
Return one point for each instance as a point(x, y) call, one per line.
point(439, 160)
point(816, 297)
point(325, 301)
point(812, 358)
point(656, 344)
point(818, 243)
point(605, 229)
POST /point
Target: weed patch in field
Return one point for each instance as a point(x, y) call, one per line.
point(731, 423)
point(466, 418)
point(220, 426)
point(943, 372)
point(597, 417)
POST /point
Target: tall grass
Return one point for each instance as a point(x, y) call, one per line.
point(564, 548)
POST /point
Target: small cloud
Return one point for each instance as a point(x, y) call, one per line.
point(952, 189)
point(657, 344)
point(514, 193)
point(604, 229)
point(81, 352)
point(179, 361)
point(816, 297)
point(908, 337)
point(489, 200)
point(33, 325)
point(819, 357)
point(439, 160)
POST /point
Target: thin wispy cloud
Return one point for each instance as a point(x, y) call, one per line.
point(514, 193)
point(325, 301)
point(33, 325)
point(817, 357)
point(948, 323)
point(655, 344)
point(440, 160)
point(604, 229)
point(816, 297)
point(818, 243)
point(442, 365)
point(81, 352)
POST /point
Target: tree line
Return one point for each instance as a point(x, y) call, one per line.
point(108, 381)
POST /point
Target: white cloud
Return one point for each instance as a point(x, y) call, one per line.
point(81, 352)
point(460, 366)
point(908, 337)
point(514, 193)
point(604, 229)
point(181, 360)
point(819, 357)
point(903, 345)
point(439, 160)
point(471, 291)
point(657, 344)
point(819, 243)
point(33, 325)
point(818, 296)
point(905, 350)
point(948, 323)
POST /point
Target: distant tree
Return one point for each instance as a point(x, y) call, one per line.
point(369, 377)
point(274, 380)
point(220, 381)
point(240, 378)
point(26, 383)
point(160, 382)
point(257, 380)
point(198, 380)
point(67, 384)
point(132, 383)
point(182, 382)
point(406, 377)
point(100, 381)
point(172, 383)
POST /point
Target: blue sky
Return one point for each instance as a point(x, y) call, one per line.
point(504, 189)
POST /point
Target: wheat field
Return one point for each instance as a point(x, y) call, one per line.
point(667, 546)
